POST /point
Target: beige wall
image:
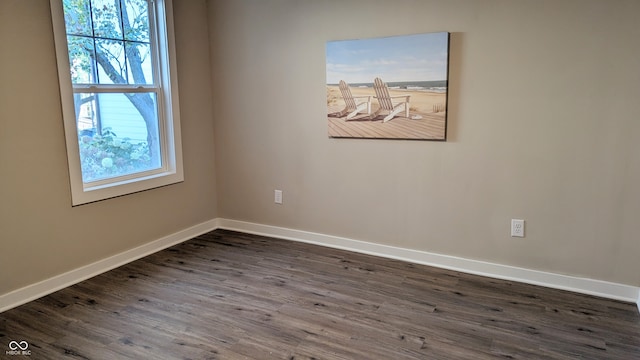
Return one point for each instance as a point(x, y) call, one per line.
point(543, 125)
point(41, 235)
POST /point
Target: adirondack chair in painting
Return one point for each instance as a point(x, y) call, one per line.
point(354, 104)
point(387, 103)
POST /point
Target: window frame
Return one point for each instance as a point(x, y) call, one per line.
point(171, 169)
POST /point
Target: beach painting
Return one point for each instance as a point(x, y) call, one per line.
point(388, 88)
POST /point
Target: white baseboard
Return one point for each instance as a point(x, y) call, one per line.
point(48, 286)
point(581, 285)
point(599, 288)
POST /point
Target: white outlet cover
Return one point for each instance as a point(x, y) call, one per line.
point(278, 196)
point(517, 228)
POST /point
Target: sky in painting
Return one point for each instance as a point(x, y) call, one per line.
point(420, 57)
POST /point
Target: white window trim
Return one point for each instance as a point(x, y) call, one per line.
point(169, 115)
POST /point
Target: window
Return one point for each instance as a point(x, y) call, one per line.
point(119, 95)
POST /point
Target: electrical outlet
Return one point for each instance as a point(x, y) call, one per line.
point(278, 196)
point(517, 228)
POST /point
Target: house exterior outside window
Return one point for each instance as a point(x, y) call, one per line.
point(119, 91)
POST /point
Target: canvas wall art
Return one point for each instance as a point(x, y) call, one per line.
point(388, 88)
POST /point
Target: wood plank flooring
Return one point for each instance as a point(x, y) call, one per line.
point(227, 295)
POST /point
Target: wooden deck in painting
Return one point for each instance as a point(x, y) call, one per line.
point(430, 127)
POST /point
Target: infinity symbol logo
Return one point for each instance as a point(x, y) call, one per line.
point(22, 345)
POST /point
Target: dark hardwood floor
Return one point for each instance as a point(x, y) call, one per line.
point(227, 295)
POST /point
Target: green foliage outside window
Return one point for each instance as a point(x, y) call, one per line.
point(107, 155)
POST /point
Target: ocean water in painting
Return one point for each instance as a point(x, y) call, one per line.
point(439, 86)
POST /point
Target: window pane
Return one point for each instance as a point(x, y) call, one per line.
point(105, 58)
point(77, 17)
point(81, 59)
point(139, 63)
point(111, 58)
point(136, 20)
point(106, 19)
point(118, 134)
